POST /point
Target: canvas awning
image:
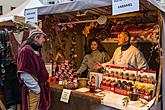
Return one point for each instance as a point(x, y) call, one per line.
point(85, 4)
point(17, 15)
point(96, 8)
point(72, 6)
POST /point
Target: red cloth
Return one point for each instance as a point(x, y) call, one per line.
point(29, 61)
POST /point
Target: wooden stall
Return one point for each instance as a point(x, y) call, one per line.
point(78, 21)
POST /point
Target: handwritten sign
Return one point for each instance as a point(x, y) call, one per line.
point(49, 68)
point(31, 15)
point(65, 95)
point(124, 6)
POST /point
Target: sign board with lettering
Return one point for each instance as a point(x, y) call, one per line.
point(124, 6)
point(31, 15)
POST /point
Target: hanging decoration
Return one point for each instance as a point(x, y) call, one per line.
point(73, 54)
point(87, 28)
point(63, 27)
point(102, 35)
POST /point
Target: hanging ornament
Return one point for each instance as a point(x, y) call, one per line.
point(73, 43)
point(75, 56)
point(72, 49)
point(70, 25)
point(63, 27)
point(87, 28)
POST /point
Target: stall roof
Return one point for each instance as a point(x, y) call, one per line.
point(85, 4)
point(72, 6)
point(69, 11)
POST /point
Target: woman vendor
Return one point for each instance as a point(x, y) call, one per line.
point(96, 54)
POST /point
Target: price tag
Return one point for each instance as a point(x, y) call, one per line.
point(60, 82)
point(65, 95)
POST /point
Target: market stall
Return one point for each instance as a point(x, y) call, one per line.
point(70, 25)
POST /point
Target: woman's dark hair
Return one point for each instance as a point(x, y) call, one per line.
point(100, 46)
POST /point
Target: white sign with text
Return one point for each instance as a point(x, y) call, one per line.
point(124, 6)
point(31, 15)
point(65, 95)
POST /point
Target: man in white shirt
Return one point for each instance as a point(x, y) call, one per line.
point(126, 55)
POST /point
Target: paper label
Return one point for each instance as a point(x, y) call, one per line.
point(65, 95)
point(31, 15)
point(60, 82)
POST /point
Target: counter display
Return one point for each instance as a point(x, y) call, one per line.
point(104, 100)
point(117, 87)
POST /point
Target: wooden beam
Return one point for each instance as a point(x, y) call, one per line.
point(2, 106)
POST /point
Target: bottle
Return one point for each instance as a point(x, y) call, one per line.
point(92, 87)
point(54, 69)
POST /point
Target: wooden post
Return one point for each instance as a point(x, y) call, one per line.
point(86, 44)
point(159, 82)
point(2, 105)
point(160, 21)
point(18, 107)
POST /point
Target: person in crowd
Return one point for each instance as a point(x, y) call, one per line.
point(95, 54)
point(33, 74)
point(126, 55)
point(9, 83)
